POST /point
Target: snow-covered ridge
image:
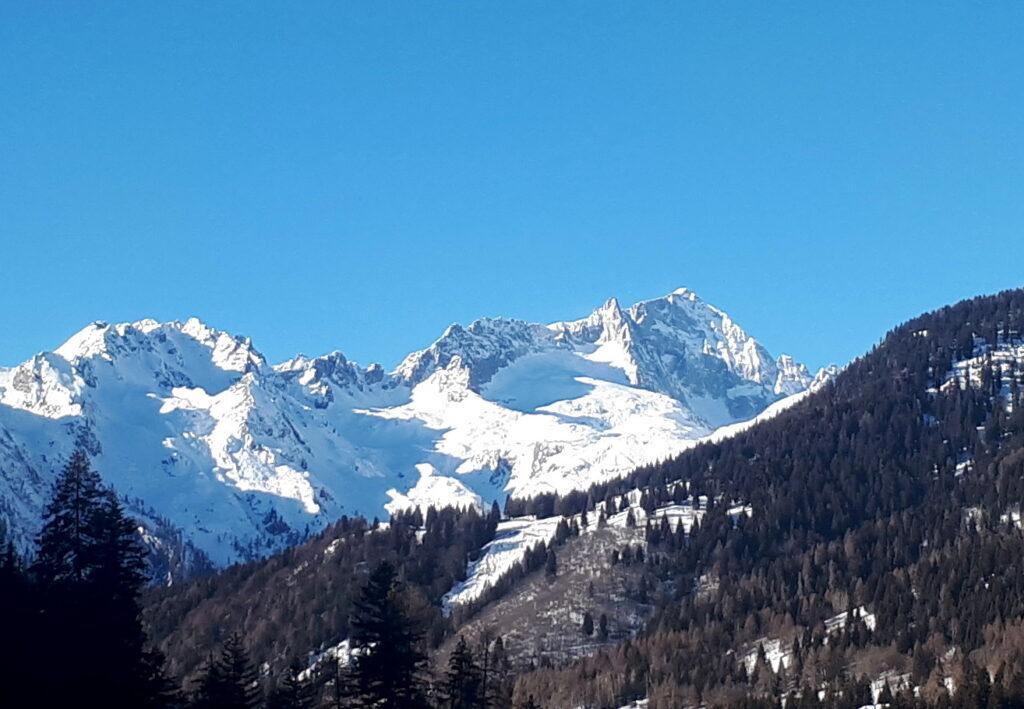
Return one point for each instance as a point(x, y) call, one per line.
point(246, 458)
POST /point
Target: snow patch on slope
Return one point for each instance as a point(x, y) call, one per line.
point(512, 540)
point(1000, 363)
point(433, 490)
point(517, 536)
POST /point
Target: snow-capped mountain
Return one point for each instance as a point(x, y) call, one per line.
point(200, 434)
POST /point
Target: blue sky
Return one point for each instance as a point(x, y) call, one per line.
point(356, 176)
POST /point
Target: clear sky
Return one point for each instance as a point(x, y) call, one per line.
point(356, 176)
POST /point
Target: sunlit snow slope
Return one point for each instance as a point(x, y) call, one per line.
point(215, 448)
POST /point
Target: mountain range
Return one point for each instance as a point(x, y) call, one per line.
point(223, 456)
point(855, 544)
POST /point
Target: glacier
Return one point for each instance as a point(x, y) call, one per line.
point(235, 457)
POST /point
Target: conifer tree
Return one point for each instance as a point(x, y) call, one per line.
point(117, 579)
point(550, 564)
point(291, 692)
point(630, 518)
point(885, 696)
point(588, 624)
point(461, 688)
point(66, 542)
point(90, 570)
point(229, 681)
point(497, 687)
point(387, 660)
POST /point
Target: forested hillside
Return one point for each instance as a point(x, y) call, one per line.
point(884, 544)
point(301, 601)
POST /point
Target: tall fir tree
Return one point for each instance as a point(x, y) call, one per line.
point(462, 682)
point(229, 680)
point(90, 570)
point(388, 663)
point(291, 692)
point(66, 543)
point(116, 582)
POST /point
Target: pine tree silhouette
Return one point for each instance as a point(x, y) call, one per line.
point(229, 681)
point(90, 570)
point(291, 692)
point(588, 624)
point(66, 542)
point(550, 564)
point(387, 660)
point(461, 688)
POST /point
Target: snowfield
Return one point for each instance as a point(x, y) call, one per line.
point(195, 429)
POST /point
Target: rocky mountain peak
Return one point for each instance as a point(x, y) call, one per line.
point(192, 422)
